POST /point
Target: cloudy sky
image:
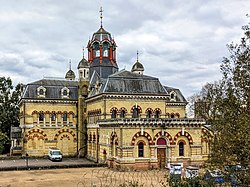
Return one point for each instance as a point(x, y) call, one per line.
point(181, 42)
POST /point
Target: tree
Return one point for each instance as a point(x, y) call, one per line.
point(3, 140)
point(232, 123)
point(202, 104)
point(229, 103)
point(9, 110)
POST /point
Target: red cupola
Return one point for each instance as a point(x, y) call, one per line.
point(102, 53)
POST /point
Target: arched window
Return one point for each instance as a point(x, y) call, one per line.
point(140, 149)
point(149, 114)
point(181, 149)
point(65, 116)
point(105, 49)
point(41, 116)
point(122, 114)
point(41, 92)
point(113, 114)
point(157, 114)
point(96, 49)
point(65, 92)
point(135, 113)
point(53, 117)
point(172, 116)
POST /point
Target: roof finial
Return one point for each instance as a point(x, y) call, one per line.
point(137, 54)
point(101, 11)
point(69, 64)
point(83, 51)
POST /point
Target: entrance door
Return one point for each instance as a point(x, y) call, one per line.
point(161, 157)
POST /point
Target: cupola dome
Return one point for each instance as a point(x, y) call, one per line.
point(83, 64)
point(70, 75)
point(137, 67)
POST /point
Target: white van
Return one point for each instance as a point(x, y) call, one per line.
point(55, 154)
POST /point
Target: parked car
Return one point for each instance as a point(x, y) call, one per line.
point(54, 154)
point(175, 171)
point(233, 172)
point(215, 175)
point(191, 172)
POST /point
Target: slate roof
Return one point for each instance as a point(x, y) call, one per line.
point(53, 89)
point(126, 82)
point(179, 96)
point(101, 34)
point(70, 75)
point(83, 64)
point(104, 69)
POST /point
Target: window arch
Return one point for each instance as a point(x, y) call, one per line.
point(136, 110)
point(53, 116)
point(113, 114)
point(105, 49)
point(65, 116)
point(157, 113)
point(65, 92)
point(172, 115)
point(149, 113)
point(41, 92)
point(122, 114)
point(181, 149)
point(135, 113)
point(173, 96)
point(41, 116)
point(140, 149)
point(96, 48)
point(161, 141)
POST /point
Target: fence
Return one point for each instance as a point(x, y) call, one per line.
point(103, 177)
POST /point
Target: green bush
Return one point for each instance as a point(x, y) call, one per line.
point(192, 182)
point(4, 139)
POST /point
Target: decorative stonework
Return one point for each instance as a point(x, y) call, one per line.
point(165, 134)
point(172, 96)
point(65, 131)
point(113, 138)
point(206, 135)
point(145, 134)
point(41, 92)
point(186, 134)
point(65, 93)
point(33, 133)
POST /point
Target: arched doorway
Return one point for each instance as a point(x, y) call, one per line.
point(161, 152)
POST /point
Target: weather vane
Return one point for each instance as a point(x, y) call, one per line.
point(101, 17)
point(70, 64)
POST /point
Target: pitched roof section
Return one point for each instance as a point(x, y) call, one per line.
point(179, 96)
point(127, 82)
point(53, 89)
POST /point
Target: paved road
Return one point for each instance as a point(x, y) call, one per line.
point(42, 163)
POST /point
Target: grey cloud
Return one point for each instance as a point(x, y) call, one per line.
point(181, 43)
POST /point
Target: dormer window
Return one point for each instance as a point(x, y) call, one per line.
point(172, 96)
point(65, 93)
point(41, 92)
